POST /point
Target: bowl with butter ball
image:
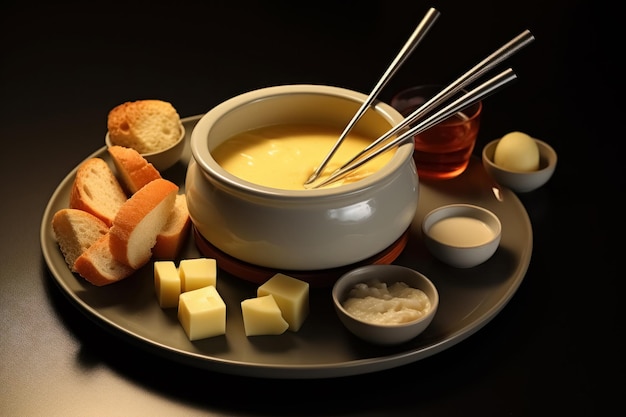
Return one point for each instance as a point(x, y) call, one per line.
point(519, 161)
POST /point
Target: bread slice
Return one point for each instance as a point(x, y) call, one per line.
point(96, 190)
point(133, 170)
point(75, 231)
point(173, 235)
point(98, 266)
point(140, 220)
point(144, 125)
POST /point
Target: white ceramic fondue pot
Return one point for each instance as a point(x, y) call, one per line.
point(301, 230)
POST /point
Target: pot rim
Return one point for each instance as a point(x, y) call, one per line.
point(214, 172)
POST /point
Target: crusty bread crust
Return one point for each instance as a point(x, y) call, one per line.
point(75, 231)
point(98, 266)
point(138, 222)
point(133, 170)
point(170, 240)
point(105, 235)
point(97, 190)
point(144, 125)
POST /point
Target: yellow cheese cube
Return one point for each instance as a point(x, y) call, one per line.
point(166, 283)
point(261, 316)
point(202, 313)
point(292, 297)
point(197, 273)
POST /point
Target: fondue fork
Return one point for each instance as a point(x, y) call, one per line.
point(474, 73)
point(417, 35)
point(478, 93)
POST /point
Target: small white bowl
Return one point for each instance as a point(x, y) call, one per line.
point(462, 235)
point(165, 158)
point(519, 181)
point(384, 334)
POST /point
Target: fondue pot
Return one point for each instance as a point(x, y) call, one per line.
point(298, 230)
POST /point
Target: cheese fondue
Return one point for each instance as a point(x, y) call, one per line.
point(285, 156)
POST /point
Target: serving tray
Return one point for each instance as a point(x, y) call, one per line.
point(322, 348)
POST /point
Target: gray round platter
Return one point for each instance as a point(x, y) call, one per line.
point(322, 348)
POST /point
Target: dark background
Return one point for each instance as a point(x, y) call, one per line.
point(555, 349)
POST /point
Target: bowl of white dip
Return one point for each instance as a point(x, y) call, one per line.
point(385, 304)
point(462, 235)
point(251, 156)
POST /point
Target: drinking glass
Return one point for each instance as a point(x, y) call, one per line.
point(444, 150)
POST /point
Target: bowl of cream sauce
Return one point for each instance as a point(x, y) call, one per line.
point(462, 235)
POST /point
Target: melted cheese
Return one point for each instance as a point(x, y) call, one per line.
point(285, 156)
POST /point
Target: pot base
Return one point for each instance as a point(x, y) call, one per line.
point(317, 279)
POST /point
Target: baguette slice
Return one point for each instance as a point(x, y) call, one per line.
point(75, 231)
point(173, 235)
point(140, 220)
point(96, 190)
point(133, 170)
point(98, 266)
point(144, 125)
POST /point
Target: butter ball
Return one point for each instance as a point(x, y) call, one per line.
point(517, 151)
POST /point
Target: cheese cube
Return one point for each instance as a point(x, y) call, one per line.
point(202, 313)
point(261, 316)
point(292, 297)
point(197, 273)
point(166, 283)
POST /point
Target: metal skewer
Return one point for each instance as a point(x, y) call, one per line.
point(407, 49)
point(479, 69)
point(478, 93)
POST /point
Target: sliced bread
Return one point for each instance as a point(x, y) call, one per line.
point(133, 170)
point(98, 266)
point(141, 218)
point(173, 235)
point(75, 231)
point(144, 125)
point(97, 190)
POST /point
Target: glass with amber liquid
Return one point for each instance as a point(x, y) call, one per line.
point(444, 150)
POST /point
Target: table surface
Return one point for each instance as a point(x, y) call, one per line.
point(557, 346)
